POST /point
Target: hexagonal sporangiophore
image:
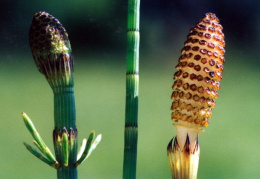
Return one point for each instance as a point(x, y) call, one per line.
point(51, 49)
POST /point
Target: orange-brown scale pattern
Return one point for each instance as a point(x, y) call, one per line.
point(199, 72)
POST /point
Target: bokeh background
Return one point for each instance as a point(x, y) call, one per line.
point(97, 30)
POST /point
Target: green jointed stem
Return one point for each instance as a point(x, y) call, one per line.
point(65, 119)
point(132, 90)
point(64, 108)
point(53, 56)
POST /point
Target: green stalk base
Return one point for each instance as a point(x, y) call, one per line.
point(130, 152)
point(67, 173)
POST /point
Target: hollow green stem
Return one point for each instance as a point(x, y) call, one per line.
point(64, 108)
point(132, 90)
point(65, 142)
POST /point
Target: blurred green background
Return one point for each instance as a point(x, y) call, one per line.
point(97, 30)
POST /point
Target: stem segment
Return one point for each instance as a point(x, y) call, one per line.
point(65, 119)
point(132, 90)
point(64, 108)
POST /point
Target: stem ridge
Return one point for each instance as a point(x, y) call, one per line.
point(132, 90)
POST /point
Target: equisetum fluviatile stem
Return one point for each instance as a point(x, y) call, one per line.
point(132, 90)
point(53, 57)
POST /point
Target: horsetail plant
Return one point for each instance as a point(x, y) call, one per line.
point(195, 90)
point(132, 90)
point(53, 57)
